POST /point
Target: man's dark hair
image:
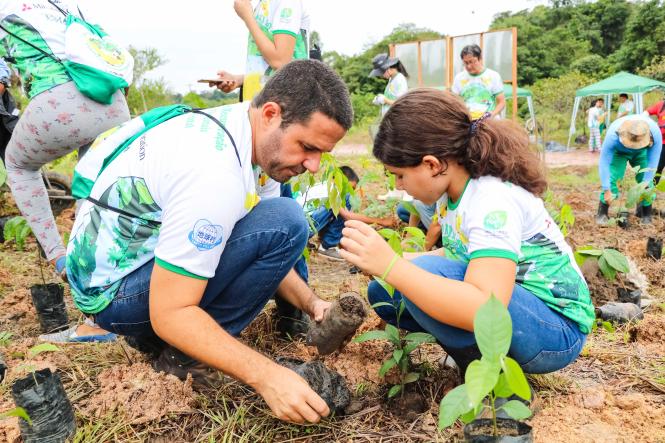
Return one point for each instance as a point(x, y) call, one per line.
point(473, 50)
point(303, 87)
point(624, 96)
point(349, 173)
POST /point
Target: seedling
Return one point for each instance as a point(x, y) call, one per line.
point(17, 229)
point(494, 376)
point(32, 353)
point(3, 173)
point(5, 338)
point(610, 261)
point(403, 345)
point(561, 212)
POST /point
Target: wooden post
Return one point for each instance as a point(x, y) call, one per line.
point(420, 66)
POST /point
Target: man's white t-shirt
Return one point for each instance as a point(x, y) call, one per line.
point(498, 219)
point(183, 173)
point(479, 92)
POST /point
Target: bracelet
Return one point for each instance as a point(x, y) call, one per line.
point(390, 267)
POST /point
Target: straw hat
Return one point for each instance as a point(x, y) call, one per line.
point(634, 134)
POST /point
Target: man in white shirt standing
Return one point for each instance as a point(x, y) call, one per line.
point(480, 87)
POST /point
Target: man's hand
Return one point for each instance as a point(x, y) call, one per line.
point(317, 309)
point(244, 9)
point(290, 397)
point(387, 222)
point(607, 195)
point(227, 81)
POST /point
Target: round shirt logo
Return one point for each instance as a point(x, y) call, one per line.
point(205, 235)
point(495, 220)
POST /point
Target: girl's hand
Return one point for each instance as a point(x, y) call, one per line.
point(244, 9)
point(365, 248)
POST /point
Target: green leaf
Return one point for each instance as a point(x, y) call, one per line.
point(382, 303)
point(44, 347)
point(17, 412)
point(515, 378)
point(590, 250)
point(410, 347)
point(411, 377)
point(471, 415)
point(389, 289)
point(387, 366)
point(392, 333)
point(480, 378)
point(608, 271)
point(415, 232)
point(420, 337)
point(371, 335)
point(516, 410)
point(661, 185)
point(502, 388)
point(616, 259)
point(394, 391)
point(398, 354)
point(493, 329)
point(608, 326)
point(455, 403)
point(3, 173)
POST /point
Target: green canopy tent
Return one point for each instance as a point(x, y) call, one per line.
point(521, 93)
point(623, 82)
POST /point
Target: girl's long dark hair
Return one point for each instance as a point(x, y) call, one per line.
point(431, 122)
point(400, 68)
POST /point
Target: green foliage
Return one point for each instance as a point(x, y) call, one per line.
point(595, 38)
point(656, 69)
point(3, 173)
point(17, 230)
point(610, 261)
point(494, 376)
point(16, 412)
point(561, 212)
point(5, 338)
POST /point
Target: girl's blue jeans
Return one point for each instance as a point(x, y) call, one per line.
point(543, 340)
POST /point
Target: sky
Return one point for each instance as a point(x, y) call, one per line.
point(200, 37)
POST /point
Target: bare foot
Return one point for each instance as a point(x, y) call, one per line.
point(84, 330)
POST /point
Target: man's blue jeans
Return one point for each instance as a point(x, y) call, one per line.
point(543, 340)
point(261, 250)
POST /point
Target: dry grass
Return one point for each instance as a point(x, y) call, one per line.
point(629, 360)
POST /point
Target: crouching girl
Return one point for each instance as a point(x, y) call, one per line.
point(497, 236)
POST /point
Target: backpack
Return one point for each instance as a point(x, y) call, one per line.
point(94, 61)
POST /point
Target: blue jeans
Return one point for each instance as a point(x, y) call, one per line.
point(543, 340)
point(328, 226)
point(262, 249)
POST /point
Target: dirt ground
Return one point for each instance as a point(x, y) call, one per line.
point(614, 392)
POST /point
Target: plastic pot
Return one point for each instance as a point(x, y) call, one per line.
point(510, 431)
point(49, 301)
point(330, 386)
point(48, 407)
point(3, 368)
point(625, 295)
point(3, 220)
point(654, 247)
point(622, 219)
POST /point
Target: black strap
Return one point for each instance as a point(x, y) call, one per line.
point(156, 222)
point(30, 44)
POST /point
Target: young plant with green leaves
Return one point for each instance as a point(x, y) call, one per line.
point(560, 211)
point(492, 377)
point(32, 353)
point(5, 338)
point(610, 261)
point(16, 412)
point(17, 229)
point(403, 343)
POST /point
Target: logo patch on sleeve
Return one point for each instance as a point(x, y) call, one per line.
point(205, 235)
point(495, 220)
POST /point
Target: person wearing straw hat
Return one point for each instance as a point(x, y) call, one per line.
point(634, 140)
point(394, 71)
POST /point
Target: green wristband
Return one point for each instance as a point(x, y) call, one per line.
point(390, 267)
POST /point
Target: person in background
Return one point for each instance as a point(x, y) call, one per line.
point(58, 119)
point(8, 110)
point(595, 116)
point(634, 140)
point(658, 109)
point(394, 71)
point(278, 33)
point(327, 225)
point(626, 106)
point(481, 88)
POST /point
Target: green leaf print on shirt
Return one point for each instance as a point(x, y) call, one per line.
point(495, 220)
